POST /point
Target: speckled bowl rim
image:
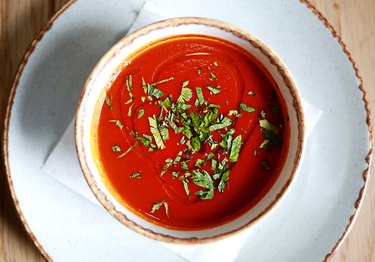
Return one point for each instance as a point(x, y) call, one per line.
point(273, 59)
point(48, 25)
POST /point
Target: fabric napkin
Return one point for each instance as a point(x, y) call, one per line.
point(62, 164)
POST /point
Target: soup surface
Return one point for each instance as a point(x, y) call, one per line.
point(192, 132)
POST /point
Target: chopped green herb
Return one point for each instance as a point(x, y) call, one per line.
point(264, 123)
point(155, 132)
point(185, 96)
point(199, 71)
point(204, 195)
point(116, 148)
point(127, 151)
point(213, 75)
point(185, 83)
point(246, 108)
point(140, 113)
point(175, 174)
point(117, 122)
point(210, 156)
point(263, 114)
point(129, 84)
point(223, 124)
point(266, 164)
point(265, 144)
point(184, 165)
point(154, 91)
point(203, 179)
point(185, 181)
point(157, 206)
point(136, 175)
point(235, 149)
point(130, 111)
point(200, 163)
point(213, 90)
point(108, 102)
point(251, 93)
point(214, 165)
point(162, 81)
point(223, 181)
point(200, 97)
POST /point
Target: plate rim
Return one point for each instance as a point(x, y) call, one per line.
point(48, 25)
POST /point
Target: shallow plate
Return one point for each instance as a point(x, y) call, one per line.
point(312, 219)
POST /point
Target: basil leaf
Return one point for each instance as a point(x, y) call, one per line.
point(154, 92)
point(235, 149)
point(116, 148)
point(156, 133)
point(140, 113)
point(264, 123)
point(224, 123)
point(205, 195)
point(214, 90)
point(223, 181)
point(136, 175)
point(157, 206)
point(246, 108)
point(203, 179)
point(200, 97)
point(185, 96)
point(108, 102)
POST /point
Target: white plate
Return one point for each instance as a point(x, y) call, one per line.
point(320, 206)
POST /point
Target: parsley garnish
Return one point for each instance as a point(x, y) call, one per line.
point(157, 206)
point(246, 108)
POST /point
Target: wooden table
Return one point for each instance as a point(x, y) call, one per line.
point(21, 20)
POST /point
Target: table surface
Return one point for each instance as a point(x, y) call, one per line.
point(20, 22)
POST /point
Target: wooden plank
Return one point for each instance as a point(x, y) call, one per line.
point(21, 20)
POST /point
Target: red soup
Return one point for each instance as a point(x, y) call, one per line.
point(192, 133)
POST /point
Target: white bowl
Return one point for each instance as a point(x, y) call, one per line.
point(108, 68)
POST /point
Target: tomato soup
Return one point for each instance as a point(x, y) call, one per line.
point(192, 132)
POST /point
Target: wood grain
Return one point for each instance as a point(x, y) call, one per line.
point(21, 20)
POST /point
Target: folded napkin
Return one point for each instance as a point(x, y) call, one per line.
point(62, 164)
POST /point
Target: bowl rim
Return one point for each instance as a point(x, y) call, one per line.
point(174, 22)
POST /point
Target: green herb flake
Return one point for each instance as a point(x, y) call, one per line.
point(140, 113)
point(136, 175)
point(184, 165)
point(158, 205)
point(266, 144)
point(205, 195)
point(235, 149)
point(223, 181)
point(117, 122)
point(162, 81)
point(266, 164)
point(154, 91)
point(199, 71)
point(223, 124)
point(116, 148)
point(185, 83)
point(185, 96)
point(247, 108)
point(108, 102)
point(265, 124)
point(213, 90)
point(175, 174)
point(127, 151)
point(200, 163)
point(210, 156)
point(130, 111)
point(214, 165)
point(155, 132)
point(203, 179)
point(200, 97)
point(213, 75)
point(251, 93)
point(185, 182)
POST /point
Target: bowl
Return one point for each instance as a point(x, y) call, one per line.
point(94, 99)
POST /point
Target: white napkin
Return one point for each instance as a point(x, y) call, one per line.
point(62, 164)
